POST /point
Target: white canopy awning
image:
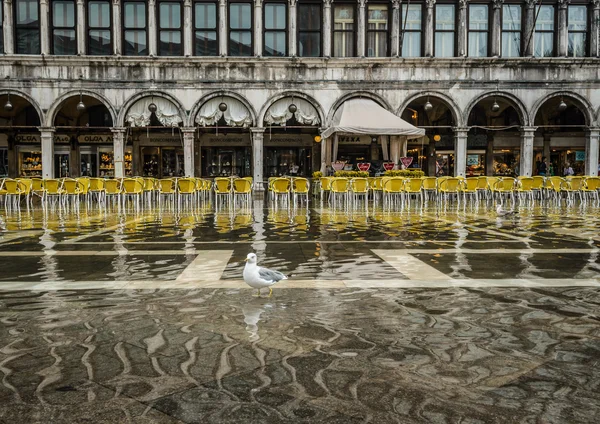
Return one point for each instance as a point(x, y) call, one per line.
point(364, 116)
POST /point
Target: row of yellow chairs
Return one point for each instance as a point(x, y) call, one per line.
point(232, 189)
point(282, 188)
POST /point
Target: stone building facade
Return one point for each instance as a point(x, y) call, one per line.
point(209, 88)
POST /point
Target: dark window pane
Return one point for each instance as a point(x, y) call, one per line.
point(28, 41)
point(309, 17)
point(206, 16)
point(170, 43)
point(64, 42)
point(100, 42)
point(135, 43)
point(275, 43)
point(206, 43)
point(27, 31)
point(240, 43)
point(309, 44)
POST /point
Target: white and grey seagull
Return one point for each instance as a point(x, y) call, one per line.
point(259, 277)
point(504, 212)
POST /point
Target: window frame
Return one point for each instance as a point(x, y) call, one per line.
point(53, 28)
point(124, 30)
point(488, 31)
point(554, 29)
point(446, 31)
point(215, 29)
point(159, 29)
point(354, 30)
point(89, 28)
point(387, 31)
point(16, 28)
point(588, 21)
point(285, 30)
point(421, 31)
point(520, 31)
point(251, 30)
point(311, 31)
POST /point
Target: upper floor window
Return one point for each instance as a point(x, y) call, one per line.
point(27, 27)
point(1, 30)
point(309, 29)
point(445, 26)
point(343, 30)
point(377, 30)
point(135, 34)
point(543, 40)
point(64, 40)
point(577, 27)
point(99, 28)
point(478, 30)
point(275, 31)
point(206, 29)
point(412, 30)
point(240, 29)
point(169, 29)
point(511, 30)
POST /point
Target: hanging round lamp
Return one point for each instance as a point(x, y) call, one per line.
point(562, 106)
point(80, 106)
point(222, 106)
point(495, 106)
point(428, 106)
point(8, 105)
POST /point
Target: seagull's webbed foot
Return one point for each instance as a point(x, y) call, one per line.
point(270, 291)
point(257, 293)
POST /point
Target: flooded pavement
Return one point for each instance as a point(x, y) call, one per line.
point(421, 315)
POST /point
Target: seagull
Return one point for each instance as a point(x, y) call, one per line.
point(258, 277)
point(504, 212)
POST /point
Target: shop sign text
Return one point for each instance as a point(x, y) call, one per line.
point(354, 139)
point(95, 138)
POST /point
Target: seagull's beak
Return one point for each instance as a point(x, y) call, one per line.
point(246, 260)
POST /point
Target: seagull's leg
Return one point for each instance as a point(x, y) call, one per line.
point(257, 293)
point(270, 291)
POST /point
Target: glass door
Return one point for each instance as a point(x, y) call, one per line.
point(61, 164)
point(89, 164)
point(150, 161)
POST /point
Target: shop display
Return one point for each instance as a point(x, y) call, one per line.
point(30, 164)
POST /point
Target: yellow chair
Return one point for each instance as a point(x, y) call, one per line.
point(300, 187)
point(242, 187)
point(37, 188)
point(96, 188)
point(27, 186)
point(572, 186)
point(166, 190)
point(450, 185)
point(359, 187)
point(72, 189)
point(186, 188)
point(132, 188)
point(554, 186)
point(52, 190)
point(375, 186)
point(150, 190)
point(413, 186)
point(591, 188)
point(3, 191)
point(490, 183)
point(538, 185)
point(469, 186)
point(112, 190)
point(429, 186)
point(14, 190)
point(339, 188)
point(525, 187)
point(325, 185)
point(223, 188)
point(281, 189)
point(504, 185)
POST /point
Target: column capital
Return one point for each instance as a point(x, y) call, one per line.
point(118, 129)
point(116, 2)
point(362, 3)
point(80, 1)
point(258, 3)
point(46, 129)
point(462, 4)
point(530, 4)
point(396, 4)
point(188, 130)
point(430, 3)
point(458, 130)
point(497, 4)
point(563, 4)
point(592, 130)
point(292, 2)
point(595, 4)
point(222, 2)
point(257, 130)
point(327, 3)
point(151, 3)
point(528, 129)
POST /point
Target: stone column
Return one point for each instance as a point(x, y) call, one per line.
point(81, 19)
point(562, 32)
point(118, 134)
point(293, 19)
point(362, 30)
point(595, 29)
point(395, 36)
point(591, 151)
point(496, 22)
point(323, 156)
point(8, 27)
point(327, 28)
point(462, 28)
point(257, 158)
point(258, 30)
point(223, 28)
point(47, 138)
point(527, 137)
point(116, 22)
point(429, 27)
point(527, 42)
point(489, 156)
point(188, 151)
point(460, 151)
point(44, 28)
point(187, 28)
point(152, 28)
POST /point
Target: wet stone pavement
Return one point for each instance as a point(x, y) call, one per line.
point(422, 315)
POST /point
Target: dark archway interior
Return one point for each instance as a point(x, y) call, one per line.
point(551, 116)
point(439, 115)
point(95, 113)
point(483, 114)
point(23, 114)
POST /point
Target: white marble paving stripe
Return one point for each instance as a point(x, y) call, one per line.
point(208, 266)
point(300, 241)
point(411, 267)
point(297, 284)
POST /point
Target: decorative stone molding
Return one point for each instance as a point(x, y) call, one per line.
point(563, 4)
point(396, 4)
point(497, 4)
point(530, 4)
point(462, 4)
point(595, 3)
point(430, 3)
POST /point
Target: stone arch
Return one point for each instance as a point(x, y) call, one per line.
point(512, 99)
point(56, 105)
point(131, 101)
point(222, 93)
point(27, 97)
point(353, 95)
point(450, 104)
point(282, 95)
point(581, 102)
